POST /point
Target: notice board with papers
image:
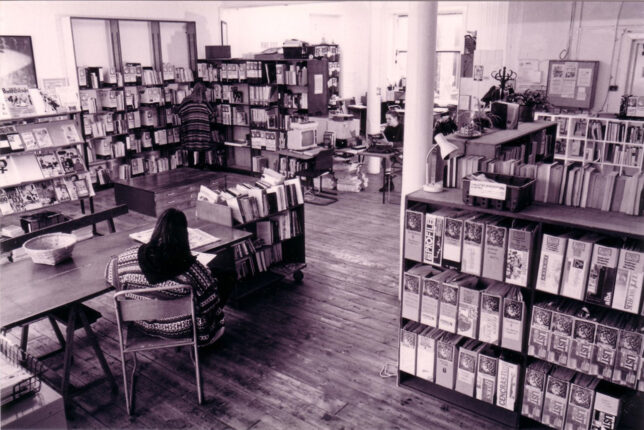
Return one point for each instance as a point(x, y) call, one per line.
point(571, 84)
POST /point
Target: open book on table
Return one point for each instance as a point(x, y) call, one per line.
point(196, 237)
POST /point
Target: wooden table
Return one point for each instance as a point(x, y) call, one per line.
point(32, 291)
point(178, 188)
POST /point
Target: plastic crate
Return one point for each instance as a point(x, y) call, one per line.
point(519, 193)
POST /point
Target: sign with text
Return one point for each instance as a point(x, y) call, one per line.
point(489, 190)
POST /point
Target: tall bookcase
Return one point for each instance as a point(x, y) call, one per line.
point(42, 163)
point(128, 89)
point(612, 144)
point(550, 216)
point(255, 102)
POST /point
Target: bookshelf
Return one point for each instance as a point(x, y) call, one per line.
point(548, 218)
point(128, 94)
point(43, 163)
point(611, 144)
point(255, 102)
point(275, 217)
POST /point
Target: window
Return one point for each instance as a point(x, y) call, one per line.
point(449, 42)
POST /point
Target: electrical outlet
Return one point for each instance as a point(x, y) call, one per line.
point(613, 88)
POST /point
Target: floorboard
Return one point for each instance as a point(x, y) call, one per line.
point(293, 356)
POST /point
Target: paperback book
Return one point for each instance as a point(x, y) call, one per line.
point(474, 233)
point(507, 383)
point(561, 336)
point(70, 160)
point(576, 266)
point(426, 353)
point(486, 376)
point(491, 313)
point(466, 370)
point(414, 229)
point(430, 299)
point(580, 403)
point(603, 270)
point(408, 340)
point(50, 165)
point(412, 284)
point(540, 330)
point(42, 137)
point(629, 280)
point(556, 397)
point(583, 343)
point(29, 140)
point(534, 389)
point(513, 319)
point(494, 253)
point(518, 265)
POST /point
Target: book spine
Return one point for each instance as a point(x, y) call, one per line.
point(425, 358)
point(466, 372)
point(539, 332)
point(555, 403)
point(407, 359)
point(445, 370)
point(583, 346)
point(414, 235)
point(533, 392)
point(433, 244)
point(486, 379)
point(560, 338)
point(553, 249)
point(468, 312)
point(430, 303)
point(472, 258)
point(605, 351)
point(411, 297)
point(494, 252)
point(448, 308)
point(517, 268)
point(490, 323)
point(629, 282)
point(513, 323)
point(507, 386)
point(452, 243)
point(576, 269)
point(627, 359)
point(579, 408)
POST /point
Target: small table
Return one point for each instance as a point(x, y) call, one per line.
point(178, 188)
point(32, 291)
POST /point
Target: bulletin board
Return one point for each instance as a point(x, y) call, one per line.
point(571, 84)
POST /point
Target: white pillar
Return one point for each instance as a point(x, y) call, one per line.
point(419, 100)
point(374, 66)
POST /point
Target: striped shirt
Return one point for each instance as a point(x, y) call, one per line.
point(195, 125)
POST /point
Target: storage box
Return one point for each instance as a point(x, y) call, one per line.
point(511, 193)
point(217, 51)
point(219, 214)
point(40, 220)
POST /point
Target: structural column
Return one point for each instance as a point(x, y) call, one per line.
point(419, 99)
point(374, 68)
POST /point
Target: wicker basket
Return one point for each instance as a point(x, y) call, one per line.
point(51, 248)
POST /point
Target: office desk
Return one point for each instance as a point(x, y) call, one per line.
point(32, 291)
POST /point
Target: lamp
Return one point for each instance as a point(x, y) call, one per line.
point(433, 163)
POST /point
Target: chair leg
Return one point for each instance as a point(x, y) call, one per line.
point(198, 375)
point(24, 337)
point(128, 388)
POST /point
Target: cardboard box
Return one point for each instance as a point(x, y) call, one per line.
point(219, 214)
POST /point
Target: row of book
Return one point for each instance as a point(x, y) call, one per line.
point(27, 167)
point(564, 399)
point(250, 202)
point(600, 343)
point(111, 147)
point(267, 139)
point(101, 125)
point(45, 193)
point(579, 265)
point(557, 397)
point(269, 118)
point(251, 259)
point(462, 304)
point(262, 95)
point(33, 137)
point(592, 268)
point(279, 227)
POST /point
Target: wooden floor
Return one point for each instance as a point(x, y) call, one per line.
point(293, 357)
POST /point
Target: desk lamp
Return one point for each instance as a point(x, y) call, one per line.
point(433, 163)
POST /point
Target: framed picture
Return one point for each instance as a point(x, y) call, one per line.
point(17, 65)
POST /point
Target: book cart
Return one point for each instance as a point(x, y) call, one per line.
point(590, 220)
point(255, 100)
point(254, 260)
point(612, 144)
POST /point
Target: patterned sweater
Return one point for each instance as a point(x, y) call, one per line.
point(210, 315)
point(195, 125)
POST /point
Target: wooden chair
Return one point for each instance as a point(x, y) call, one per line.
point(132, 341)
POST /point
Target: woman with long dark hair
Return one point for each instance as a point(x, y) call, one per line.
point(166, 260)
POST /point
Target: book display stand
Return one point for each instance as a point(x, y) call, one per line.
point(430, 347)
point(42, 164)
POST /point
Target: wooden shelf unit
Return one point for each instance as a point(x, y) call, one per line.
point(609, 143)
point(240, 95)
point(58, 126)
point(618, 225)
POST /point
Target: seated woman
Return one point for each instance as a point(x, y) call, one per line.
point(393, 133)
point(166, 260)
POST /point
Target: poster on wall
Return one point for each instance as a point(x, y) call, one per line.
point(571, 84)
point(17, 65)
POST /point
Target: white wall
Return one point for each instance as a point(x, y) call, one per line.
point(541, 30)
point(48, 25)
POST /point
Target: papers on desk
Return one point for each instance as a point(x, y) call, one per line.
point(196, 237)
point(204, 257)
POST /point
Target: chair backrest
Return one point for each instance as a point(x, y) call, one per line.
point(144, 303)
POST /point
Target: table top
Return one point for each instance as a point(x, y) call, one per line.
point(29, 291)
point(170, 179)
point(499, 136)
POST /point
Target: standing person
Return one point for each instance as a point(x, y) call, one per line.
point(393, 133)
point(166, 259)
point(195, 115)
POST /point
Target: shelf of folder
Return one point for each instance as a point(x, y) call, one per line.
point(612, 223)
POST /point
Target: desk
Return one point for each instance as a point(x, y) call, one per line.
point(178, 188)
point(35, 290)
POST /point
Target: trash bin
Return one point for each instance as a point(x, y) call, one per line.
point(374, 164)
